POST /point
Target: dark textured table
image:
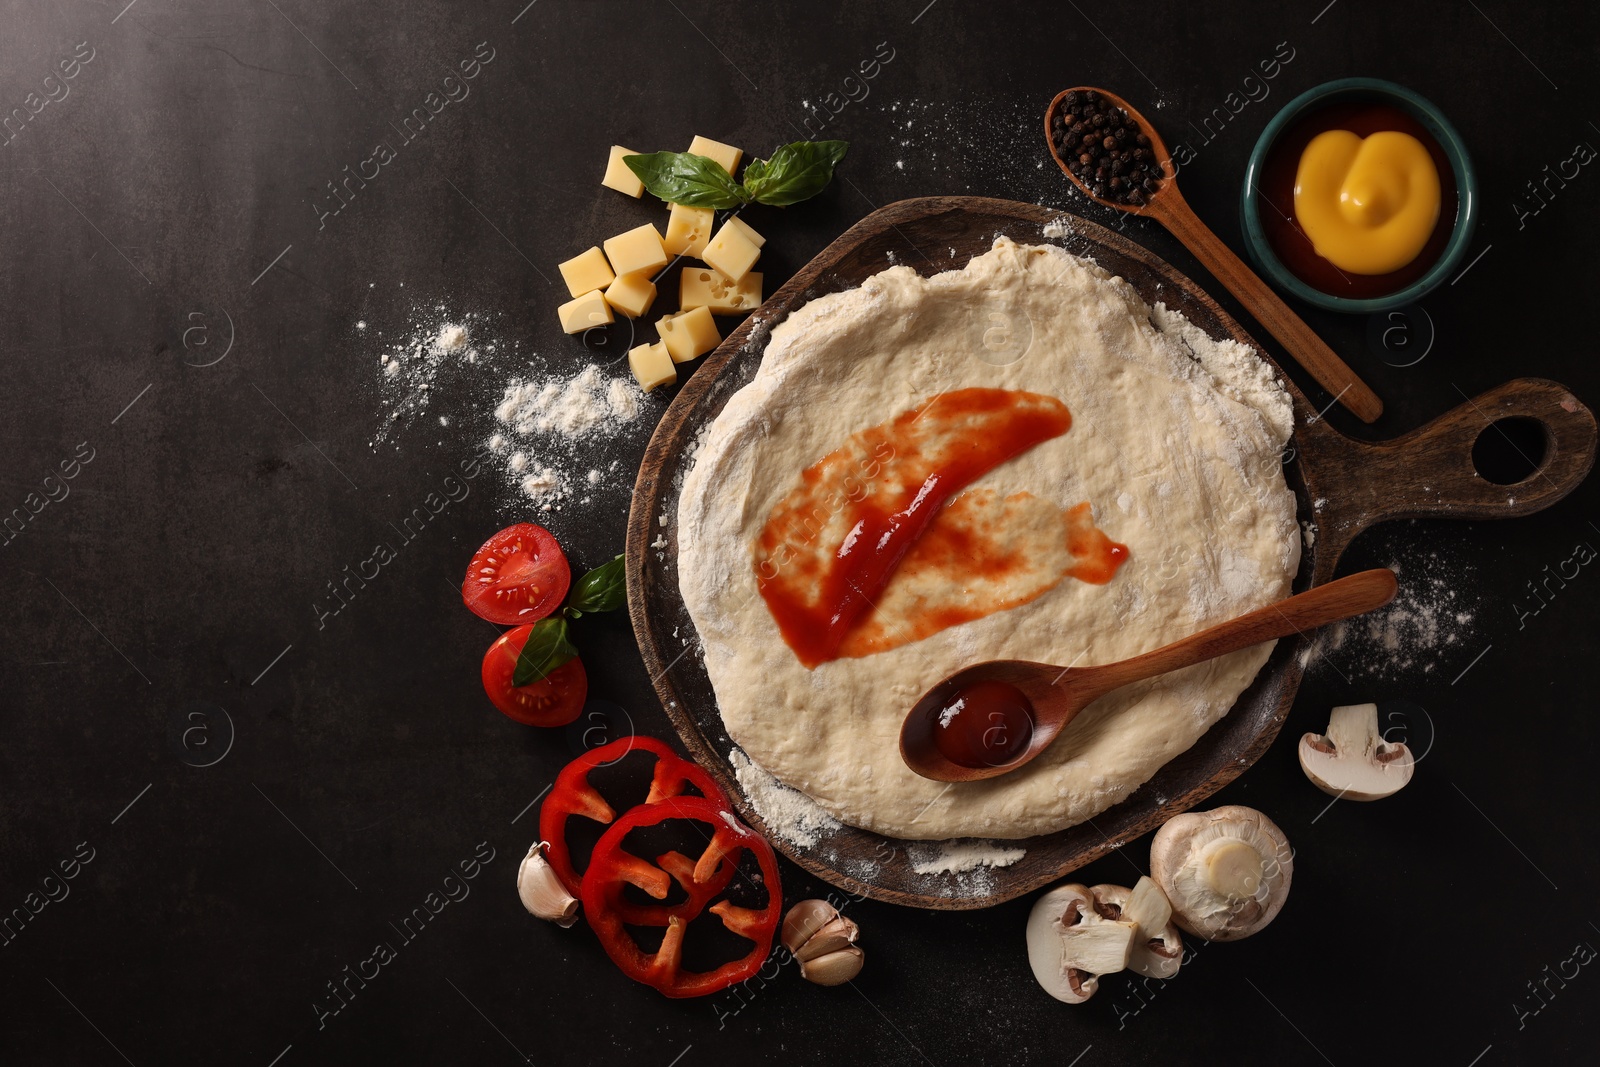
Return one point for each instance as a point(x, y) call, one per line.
point(218, 795)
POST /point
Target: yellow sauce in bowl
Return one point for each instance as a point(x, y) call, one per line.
point(1368, 204)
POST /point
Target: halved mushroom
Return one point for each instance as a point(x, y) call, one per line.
point(1226, 871)
point(1157, 947)
point(1071, 943)
point(1352, 760)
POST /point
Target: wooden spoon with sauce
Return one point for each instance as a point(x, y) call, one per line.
point(1167, 206)
point(991, 718)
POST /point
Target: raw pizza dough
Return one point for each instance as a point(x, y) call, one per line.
point(1176, 443)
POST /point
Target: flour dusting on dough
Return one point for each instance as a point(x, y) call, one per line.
point(788, 813)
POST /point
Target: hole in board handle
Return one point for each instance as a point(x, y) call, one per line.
point(1510, 450)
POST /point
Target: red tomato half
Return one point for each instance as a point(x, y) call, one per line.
point(552, 701)
point(519, 575)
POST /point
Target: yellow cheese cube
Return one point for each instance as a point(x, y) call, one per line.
point(688, 230)
point(708, 288)
point(725, 154)
point(730, 251)
point(586, 272)
point(652, 366)
point(744, 227)
point(619, 177)
point(585, 312)
point(689, 334)
point(631, 294)
point(639, 249)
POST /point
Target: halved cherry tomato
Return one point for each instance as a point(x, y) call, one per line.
point(552, 701)
point(519, 575)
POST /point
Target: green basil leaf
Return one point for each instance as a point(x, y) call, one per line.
point(687, 179)
point(795, 172)
point(547, 649)
point(603, 589)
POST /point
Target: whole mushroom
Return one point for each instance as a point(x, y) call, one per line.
point(1352, 761)
point(1226, 871)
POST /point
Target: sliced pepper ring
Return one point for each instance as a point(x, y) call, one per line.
point(651, 879)
point(612, 868)
point(573, 794)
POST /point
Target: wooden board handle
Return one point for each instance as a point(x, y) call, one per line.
point(1309, 350)
point(1428, 473)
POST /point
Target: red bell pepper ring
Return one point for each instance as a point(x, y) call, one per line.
point(612, 869)
point(572, 794)
point(650, 878)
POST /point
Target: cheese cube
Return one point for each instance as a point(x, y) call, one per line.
point(652, 366)
point(688, 230)
point(689, 334)
point(725, 154)
point(619, 177)
point(586, 312)
point(586, 272)
point(639, 249)
point(730, 251)
point(631, 294)
point(744, 227)
point(708, 288)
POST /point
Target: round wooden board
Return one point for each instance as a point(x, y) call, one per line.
point(1425, 473)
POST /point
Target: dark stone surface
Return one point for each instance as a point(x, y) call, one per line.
point(176, 186)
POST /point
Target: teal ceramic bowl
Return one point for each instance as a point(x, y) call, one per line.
point(1360, 90)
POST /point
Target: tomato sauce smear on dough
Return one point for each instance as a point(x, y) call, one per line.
point(882, 543)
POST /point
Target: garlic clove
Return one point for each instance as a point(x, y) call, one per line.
point(835, 934)
point(833, 968)
point(805, 919)
point(823, 941)
point(542, 892)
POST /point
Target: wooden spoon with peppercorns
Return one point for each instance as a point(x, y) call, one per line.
point(1116, 157)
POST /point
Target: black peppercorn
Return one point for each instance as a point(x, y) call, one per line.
point(1104, 149)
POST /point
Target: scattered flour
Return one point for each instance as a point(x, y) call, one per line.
point(413, 367)
point(452, 338)
point(575, 407)
point(1429, 621)
point(1058, 227)
point(987, 144)
point(788, 813)
point(550, 433)
point(546, 417)
point(961, 854)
